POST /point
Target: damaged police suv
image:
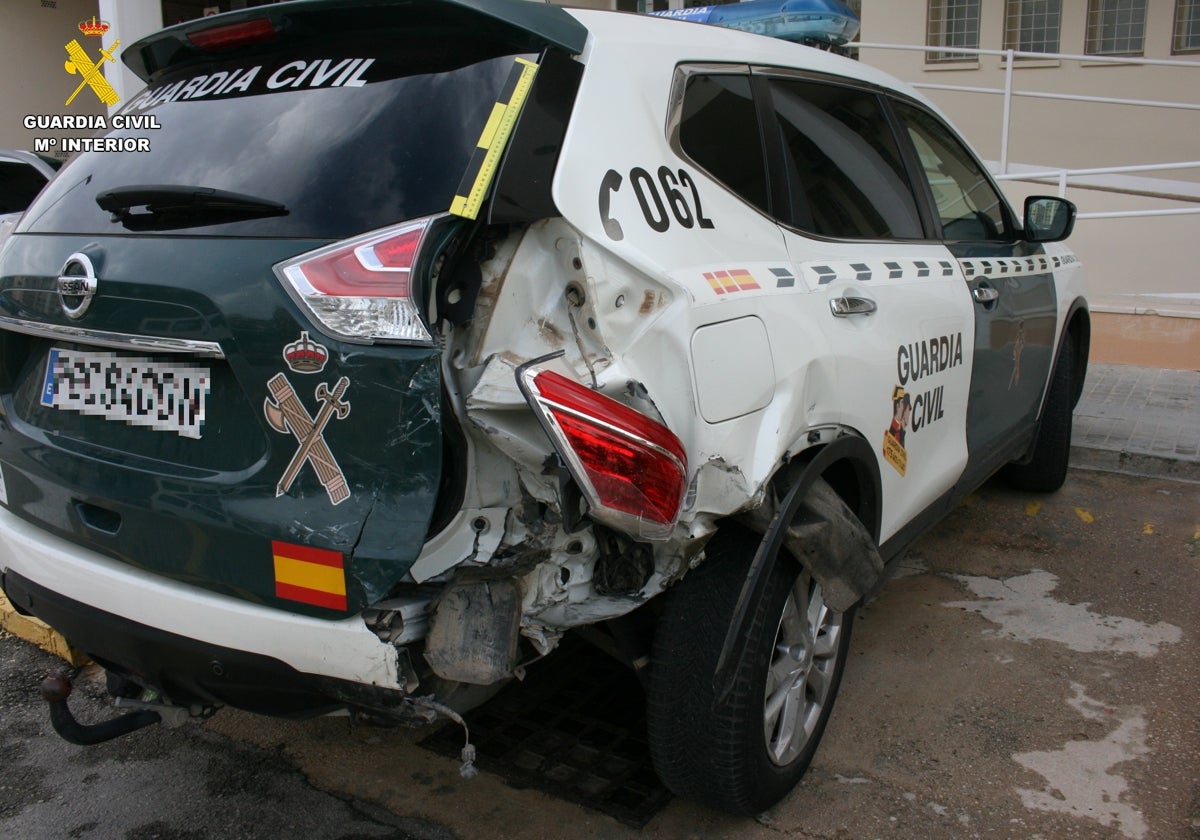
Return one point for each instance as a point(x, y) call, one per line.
point(427, 331)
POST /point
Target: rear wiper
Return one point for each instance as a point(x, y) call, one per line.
point(171, 206)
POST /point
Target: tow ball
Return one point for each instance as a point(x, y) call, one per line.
point(56, 690)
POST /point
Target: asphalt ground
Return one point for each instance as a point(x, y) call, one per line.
point(1030, 671)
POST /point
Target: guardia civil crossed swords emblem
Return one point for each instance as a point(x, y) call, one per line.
point(285, 412)
point(79, 63)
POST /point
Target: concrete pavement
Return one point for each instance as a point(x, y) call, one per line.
point(1030, 672)
point(1139, 421)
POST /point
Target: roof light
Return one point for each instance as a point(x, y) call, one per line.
point(826, 22)
point(360, 289)
point(230, 35)
point(632, 470)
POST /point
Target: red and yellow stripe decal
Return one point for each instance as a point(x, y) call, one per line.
point(309, 575)
point(728, 282)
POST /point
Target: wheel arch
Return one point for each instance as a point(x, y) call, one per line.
point(845, 560)
point(1077, 329)
point(848, 464)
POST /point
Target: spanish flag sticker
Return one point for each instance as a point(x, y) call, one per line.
point(309, 575)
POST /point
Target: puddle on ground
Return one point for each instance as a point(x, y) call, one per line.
point(1079, 778)
point(1023, 608)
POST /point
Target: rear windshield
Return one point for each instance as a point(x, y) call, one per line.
point(347, 138)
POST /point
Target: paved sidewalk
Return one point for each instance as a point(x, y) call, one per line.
point(1141, 421)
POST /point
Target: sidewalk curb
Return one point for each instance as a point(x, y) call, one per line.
point(1135, 463)
point(37, 632)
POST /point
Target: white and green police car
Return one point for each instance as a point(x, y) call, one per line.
point(428, 331)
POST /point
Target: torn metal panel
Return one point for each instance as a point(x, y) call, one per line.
point(474, 630)
point(828, 540)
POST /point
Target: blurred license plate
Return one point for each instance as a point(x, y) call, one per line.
point(167, 397)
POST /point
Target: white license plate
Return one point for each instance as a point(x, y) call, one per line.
point(140, 392)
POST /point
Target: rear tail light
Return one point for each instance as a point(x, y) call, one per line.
point(361, 289)
point(631, 469)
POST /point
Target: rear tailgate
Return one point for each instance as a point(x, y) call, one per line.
point(190, 415)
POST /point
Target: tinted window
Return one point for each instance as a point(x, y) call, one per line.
point(967, 204)
point(19, 183)
point(359, 151)
point(719, 130)
point(844, 171)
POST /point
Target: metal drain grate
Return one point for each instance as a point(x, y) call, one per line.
point(575, 729)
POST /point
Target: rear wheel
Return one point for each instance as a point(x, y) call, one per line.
point(1047, 469)
point(743, 756)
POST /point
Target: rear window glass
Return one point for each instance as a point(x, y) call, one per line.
point(347, 139)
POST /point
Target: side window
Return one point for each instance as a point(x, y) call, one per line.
point(718, 129)
point(844, 173)
point(968, 205)
point(19, 184)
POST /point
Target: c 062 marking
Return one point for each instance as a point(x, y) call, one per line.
point(660, 200)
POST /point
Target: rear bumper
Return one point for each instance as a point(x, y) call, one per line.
point(125, 617)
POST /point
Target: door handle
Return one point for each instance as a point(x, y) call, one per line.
point(985, 294)
point(846, 306)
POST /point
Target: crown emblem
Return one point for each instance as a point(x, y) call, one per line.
point(93, 27)
point(305, 355)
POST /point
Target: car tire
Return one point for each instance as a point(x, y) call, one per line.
point(746, 754)
point(1047, 468)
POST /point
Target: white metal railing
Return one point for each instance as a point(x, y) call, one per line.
point(1008, 93)
point(1062, 176)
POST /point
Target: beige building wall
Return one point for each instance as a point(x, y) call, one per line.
point(33, 43)
point(1144, 272)
point(1054, 133)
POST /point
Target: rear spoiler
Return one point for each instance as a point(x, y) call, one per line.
point(526, 26)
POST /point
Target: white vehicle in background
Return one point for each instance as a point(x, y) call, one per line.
point(502, 320)
point(22, 176)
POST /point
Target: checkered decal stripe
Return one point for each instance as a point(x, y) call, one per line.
point(821, 274)
point(1013, 266)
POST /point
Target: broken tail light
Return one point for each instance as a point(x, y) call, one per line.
point(361, 289)
point(631, 470)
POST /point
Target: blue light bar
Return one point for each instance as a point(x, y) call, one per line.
point(806, 21)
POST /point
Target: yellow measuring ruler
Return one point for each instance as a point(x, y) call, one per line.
point(486, 157)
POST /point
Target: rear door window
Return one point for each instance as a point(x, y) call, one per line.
point(843, 165)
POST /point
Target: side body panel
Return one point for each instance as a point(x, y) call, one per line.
point(902, 372)
point(1015, 337)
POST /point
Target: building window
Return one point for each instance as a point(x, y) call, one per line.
point(1187, 27)
point(1032, 25)
point(1116, 27)
point(952, 23)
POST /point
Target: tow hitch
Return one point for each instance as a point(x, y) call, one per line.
point(56, 690)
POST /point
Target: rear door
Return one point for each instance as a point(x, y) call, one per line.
point(897, 318)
